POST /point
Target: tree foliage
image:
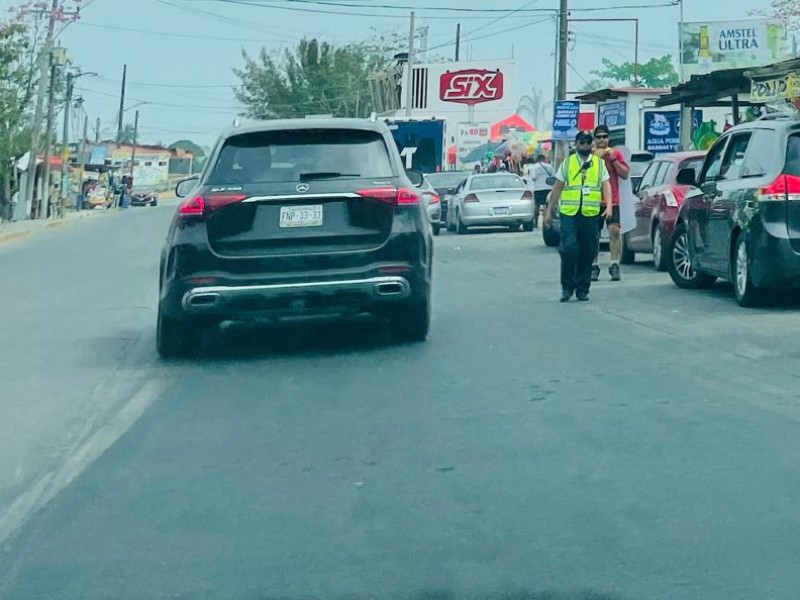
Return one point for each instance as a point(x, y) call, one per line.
point(787, 11)
point(128, 134)
point(655, 73)
point(314, 77)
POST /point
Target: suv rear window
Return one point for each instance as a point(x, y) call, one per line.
point(301, 155)
point(494, 182)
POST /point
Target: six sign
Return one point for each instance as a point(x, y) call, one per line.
point(471, 86)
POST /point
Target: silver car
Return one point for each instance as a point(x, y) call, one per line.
point(433, 205)
point(491, 200)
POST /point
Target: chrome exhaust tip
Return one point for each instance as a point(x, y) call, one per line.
point(389, 289)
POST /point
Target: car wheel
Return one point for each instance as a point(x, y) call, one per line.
point(154, 203)
point(411, 323)
point(513, 228)
point(679, 263)
point(177, 338)
point(628, 257)
point(551, 238)
point(747, 294)
point(460, 227)
point(527, 226)
point(437, 229)
point(659, 255)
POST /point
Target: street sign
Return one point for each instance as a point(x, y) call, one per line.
point(565, 120)
point(612, 114)
point(662, 129)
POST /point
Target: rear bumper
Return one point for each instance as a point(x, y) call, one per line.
point(294, 298)
point(774, 263)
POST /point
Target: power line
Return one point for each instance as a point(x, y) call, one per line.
point(183, 35)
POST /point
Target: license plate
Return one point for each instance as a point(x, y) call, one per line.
point(500, 211)
point(301, 216)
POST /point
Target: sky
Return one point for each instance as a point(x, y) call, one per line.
point(181, 53)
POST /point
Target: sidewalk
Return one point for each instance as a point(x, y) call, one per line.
point(23, 229)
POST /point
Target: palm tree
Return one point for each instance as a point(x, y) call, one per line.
point(531, 108)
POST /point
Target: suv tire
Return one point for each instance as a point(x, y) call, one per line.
point(747, 294)
point(411, 322)
point(177, 338)
point(527, 226)
point(627, 256)
point(437, 229)
point(680, 265)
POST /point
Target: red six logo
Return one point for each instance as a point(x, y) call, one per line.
point(471, 86)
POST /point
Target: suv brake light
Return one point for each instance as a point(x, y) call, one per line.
point(399, 196)
point(470, 198)
point(435, 199)
point(203, 205)
point(785, 187)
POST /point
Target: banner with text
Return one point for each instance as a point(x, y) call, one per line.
point(565, 120)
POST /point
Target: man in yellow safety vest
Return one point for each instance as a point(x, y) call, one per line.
point(582, 186)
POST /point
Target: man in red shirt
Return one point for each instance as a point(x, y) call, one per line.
point(617, 169)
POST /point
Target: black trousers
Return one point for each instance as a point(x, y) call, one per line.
point(579, 239)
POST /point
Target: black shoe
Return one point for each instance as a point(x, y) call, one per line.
point(595, 272)
point(613, 270)
point(583, 296)
point(566, 295)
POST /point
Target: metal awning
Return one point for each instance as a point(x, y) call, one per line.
point(713, 89)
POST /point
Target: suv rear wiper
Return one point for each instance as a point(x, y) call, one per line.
point(326, 175)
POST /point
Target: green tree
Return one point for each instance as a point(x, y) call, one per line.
point(655, 73)
point(312, 78)
point(16, 85)
point(127, 136)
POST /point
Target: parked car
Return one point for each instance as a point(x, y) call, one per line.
point(295, 218)
point(433, 205)
point(640, 160)
point(657, 204)
point(142, 198)
point(491, 199)
point(445, 182)
point(742, 222)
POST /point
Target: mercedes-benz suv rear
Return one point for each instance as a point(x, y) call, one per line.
point(296, 218)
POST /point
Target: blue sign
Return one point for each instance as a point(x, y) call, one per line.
point(565, 120)
point(612, 114)
point(420, 143)
point(662, 130)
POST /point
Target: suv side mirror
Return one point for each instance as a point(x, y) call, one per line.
point(185, 186)
point(415, 177)
point(551, 181)
point(686, 177)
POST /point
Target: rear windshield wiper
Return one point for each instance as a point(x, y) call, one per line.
point(326, 175)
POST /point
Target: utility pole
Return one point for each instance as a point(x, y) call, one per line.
point(563, 39)
point(48, 137)
point(133, 146)
point(122, 102)
point(45, 58)
point(410, 66)
point(65, 187)
point(458, 40)
point(79, 200)
point(97, 131)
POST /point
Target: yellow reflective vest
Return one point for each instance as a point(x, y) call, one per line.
point(582, 188)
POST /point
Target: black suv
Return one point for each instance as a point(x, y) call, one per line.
point(295, 218)
point(742, 222)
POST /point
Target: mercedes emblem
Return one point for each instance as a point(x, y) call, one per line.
point(302, 188)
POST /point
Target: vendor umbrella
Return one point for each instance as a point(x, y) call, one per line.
point(478, 153)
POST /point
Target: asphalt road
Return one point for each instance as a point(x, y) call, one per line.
point(642, 446)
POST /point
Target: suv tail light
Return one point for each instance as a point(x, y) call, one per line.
point(470, 198)
point(202, 205)
point(527, 194)
point(435, 199)
point(785, 187)
point(399, 196)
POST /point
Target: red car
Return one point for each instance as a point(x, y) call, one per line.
point(657, 202)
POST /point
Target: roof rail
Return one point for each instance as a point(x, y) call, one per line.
point(776, 116)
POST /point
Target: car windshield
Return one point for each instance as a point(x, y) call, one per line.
point(446, 180)
point(295, 156)
point(496, 182)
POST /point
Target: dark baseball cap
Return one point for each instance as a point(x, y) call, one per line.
point(602, 128)
point(583, 137)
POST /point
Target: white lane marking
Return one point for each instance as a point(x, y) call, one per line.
point(76, 462)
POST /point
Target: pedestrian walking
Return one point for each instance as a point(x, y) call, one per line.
point(540, 172)
point(617, 169)
point(582, 183)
